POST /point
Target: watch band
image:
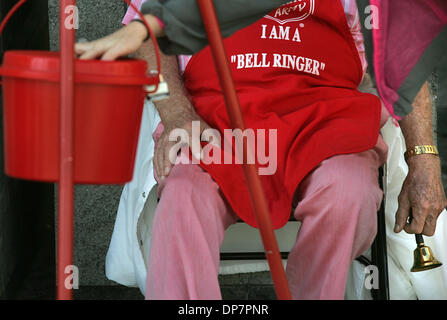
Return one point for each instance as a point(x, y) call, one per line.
point(424, 149)
point(148, 33)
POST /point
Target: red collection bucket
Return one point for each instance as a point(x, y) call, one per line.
point(109, 99)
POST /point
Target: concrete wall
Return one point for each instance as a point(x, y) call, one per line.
point(96, 19)
point(95, 206)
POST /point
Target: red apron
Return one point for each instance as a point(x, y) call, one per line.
point(297, 71)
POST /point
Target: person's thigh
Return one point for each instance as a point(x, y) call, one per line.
point(191, 199)
point(188, 230)
point(345, 190)
point(337, 204)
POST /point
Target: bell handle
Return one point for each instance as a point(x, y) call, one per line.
point(419, 238)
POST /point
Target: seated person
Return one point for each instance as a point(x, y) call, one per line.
point(296, 72)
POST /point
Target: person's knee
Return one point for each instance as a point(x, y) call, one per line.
point(355, 198)
point(186, 192)
point(179, 182)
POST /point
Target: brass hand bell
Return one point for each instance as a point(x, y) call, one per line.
point(423, 256)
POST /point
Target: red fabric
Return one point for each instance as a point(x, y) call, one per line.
point(316, 115)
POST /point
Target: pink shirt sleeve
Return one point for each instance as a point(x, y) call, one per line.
point(353, 18)
point(131, 14)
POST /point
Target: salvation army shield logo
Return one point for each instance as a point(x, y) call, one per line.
point(296, 10)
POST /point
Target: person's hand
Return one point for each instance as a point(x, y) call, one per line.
point(423, 192)
point(166, 150)
point(123, 42)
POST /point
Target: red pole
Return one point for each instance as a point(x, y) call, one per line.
point(256, 191)
point(65, 209)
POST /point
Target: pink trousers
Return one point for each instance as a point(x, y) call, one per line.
point(337, 204)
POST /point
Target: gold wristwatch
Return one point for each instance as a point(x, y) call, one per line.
point(425, 149)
